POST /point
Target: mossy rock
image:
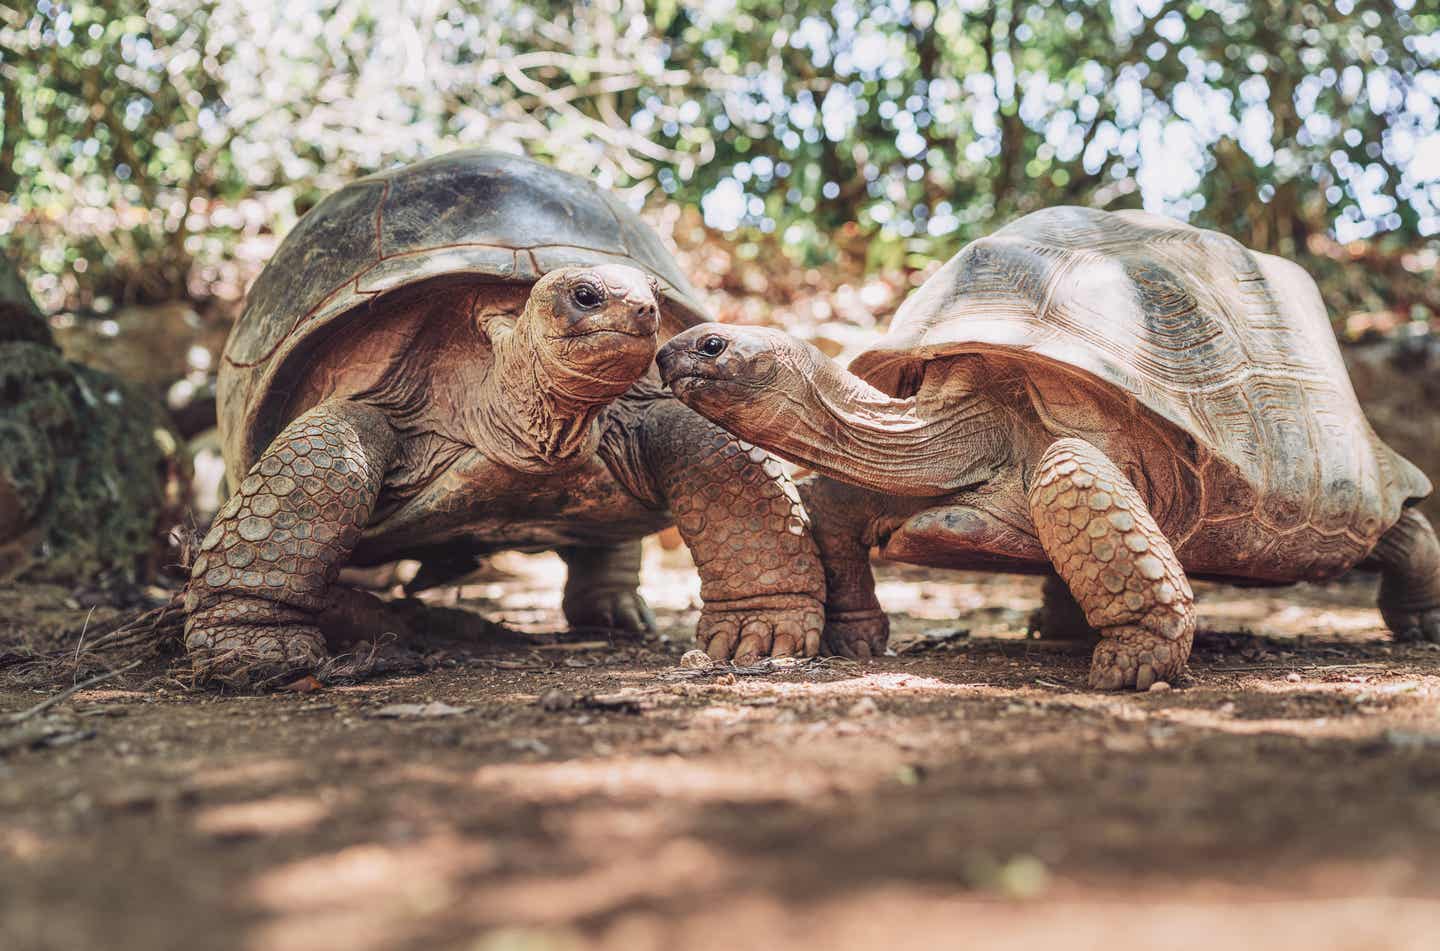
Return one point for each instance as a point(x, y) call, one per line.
point(90, 475)
point(20, 319)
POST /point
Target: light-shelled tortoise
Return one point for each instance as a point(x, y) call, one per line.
point(1118, 398)
point(456, 357)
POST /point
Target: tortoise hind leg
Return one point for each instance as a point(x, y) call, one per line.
point(1060, 617)
point(1408, 556)
point(602, 588)
point(264, 573)
point(1121, 569)
point(855, 624)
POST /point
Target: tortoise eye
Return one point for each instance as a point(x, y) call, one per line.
point(712, 346)
point(587, 296)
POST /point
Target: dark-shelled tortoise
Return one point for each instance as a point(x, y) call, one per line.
point(456, 357)
point(1118, 398)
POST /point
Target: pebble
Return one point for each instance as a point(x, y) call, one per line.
point(864, 707)
point(1293, 677)
point(1159, 686)
point(696, 660)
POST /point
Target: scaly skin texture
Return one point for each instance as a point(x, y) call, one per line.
point(1408, 556)
point(1119, 566)
point(601, 588)
point(855, 624)
point(265, 570)
point(760, 573)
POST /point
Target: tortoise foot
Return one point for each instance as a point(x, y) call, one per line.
point(858, 634)
point(1134, 658)
point(1422, 626)
point(610, 609)
point(746, 634)
point(246, 656)
point(600, 589)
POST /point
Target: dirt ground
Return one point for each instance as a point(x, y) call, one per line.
point(543, 793)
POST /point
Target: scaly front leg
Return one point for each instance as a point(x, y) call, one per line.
point(1120, 567)
point(265, 571)
point(760, 573)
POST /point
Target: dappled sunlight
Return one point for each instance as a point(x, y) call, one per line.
point(254, 772)
point(675, 871)
point(1276, 615)
point(277, 815)
point(366, 896)
point(1076, 919)
point(628, 778)
point(21, 844)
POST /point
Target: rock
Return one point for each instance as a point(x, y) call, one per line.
point(1159, 686)
point(91, 474)
point(1292, 677)
point(557, 700)
point(696, 660)
point(20, 319)
point(169, 350)
point(418, 711)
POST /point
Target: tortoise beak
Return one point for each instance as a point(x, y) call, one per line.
point(678, 363)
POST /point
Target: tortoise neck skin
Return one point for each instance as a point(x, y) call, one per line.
point(558, 366)
point(786, 396)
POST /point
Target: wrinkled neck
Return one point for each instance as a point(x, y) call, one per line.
point(529, 414)
point(947, 437)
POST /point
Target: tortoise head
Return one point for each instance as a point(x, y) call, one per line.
point(734, 375)
point(593, 329)
point(784, 395)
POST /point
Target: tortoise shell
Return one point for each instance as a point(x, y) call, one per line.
point(1231, 347)
point(488, 215)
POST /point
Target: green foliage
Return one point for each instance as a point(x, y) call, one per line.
point(153, 150)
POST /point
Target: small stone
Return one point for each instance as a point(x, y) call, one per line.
point(1293, 677)
point(696, 660)
point(864, 707)
point(435, 709)
point(1159, 686)
point(555, 700)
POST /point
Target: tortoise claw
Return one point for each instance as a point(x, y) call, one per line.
point(243, 656)
point(1132, 657)
point(746, 636)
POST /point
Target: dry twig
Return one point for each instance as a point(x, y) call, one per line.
point(69, 692)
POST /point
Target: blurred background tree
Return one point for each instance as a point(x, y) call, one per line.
point(157, 151)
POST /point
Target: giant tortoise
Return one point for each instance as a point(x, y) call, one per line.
point(456, 357)
point(1118, 398)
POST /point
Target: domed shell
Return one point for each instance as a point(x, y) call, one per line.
point(1231, 346)
point(493, 215)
